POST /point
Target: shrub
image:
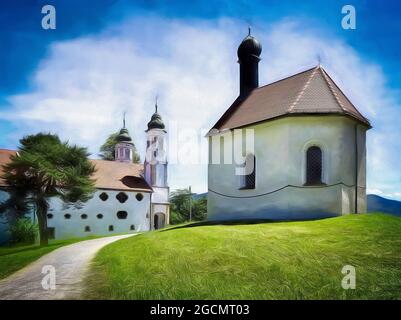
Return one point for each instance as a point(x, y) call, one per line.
point(23, 230)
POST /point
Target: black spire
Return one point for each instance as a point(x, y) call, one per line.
point(248, 58)
point(156, 121)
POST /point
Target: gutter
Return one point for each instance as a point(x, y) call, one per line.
point(356, 168)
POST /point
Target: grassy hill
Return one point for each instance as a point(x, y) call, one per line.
point(286, 260)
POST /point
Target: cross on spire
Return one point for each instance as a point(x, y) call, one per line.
point(249, 30)
point(156, 103)
point(124, 119)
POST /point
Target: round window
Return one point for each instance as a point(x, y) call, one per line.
point(139, 196)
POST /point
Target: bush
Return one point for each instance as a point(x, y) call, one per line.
point(23, 230)
point(180, 207)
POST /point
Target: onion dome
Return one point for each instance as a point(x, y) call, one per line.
point(124, 136)
point(249, 47)
point(156, 121)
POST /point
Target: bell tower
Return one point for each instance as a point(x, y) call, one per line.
point(248, 58)
point(155, 170)
point(123, 148)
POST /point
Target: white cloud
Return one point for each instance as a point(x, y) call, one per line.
point(82, 87)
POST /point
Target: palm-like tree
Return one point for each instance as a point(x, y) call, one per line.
point(45, 167)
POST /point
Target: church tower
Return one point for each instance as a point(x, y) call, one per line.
point(123, 148)
point(248, 58)
point(156, 170)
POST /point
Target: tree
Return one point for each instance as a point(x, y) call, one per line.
point(180, 201)
point(108, 147)
point(45, 167)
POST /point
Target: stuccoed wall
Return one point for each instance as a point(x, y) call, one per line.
point(280, 149)
point(3, 226)
point(138, 215)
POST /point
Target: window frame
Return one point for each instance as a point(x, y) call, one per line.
point(307, 181)
point(244, 180)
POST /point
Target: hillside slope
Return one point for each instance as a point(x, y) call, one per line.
point(380, 204)
point(286, 260)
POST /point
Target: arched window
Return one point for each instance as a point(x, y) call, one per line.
point(313, 166)
point(248, 180)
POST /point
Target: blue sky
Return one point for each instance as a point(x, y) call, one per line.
point(33, 61)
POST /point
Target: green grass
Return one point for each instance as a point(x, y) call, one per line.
point(286, 260)
point(13, 258)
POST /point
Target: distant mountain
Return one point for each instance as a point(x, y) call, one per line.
point(380, 204)
point(199, 196)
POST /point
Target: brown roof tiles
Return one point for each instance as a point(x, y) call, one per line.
point(109, 174)
point(309, 92)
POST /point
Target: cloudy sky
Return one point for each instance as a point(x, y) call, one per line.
point(111, 56)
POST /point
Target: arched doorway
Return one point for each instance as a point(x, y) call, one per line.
point(159, 220)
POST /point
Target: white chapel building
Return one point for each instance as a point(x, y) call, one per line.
point(128, 198)
point(308, 156)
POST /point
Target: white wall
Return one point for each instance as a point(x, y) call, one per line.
point(138, 215)
point(280, 147)
point(3, 225)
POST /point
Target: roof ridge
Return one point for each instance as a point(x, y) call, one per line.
point(285, 78)
point(329, 79)
point(292, 106)
point(332, 90)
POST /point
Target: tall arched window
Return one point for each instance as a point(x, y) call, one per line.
point(248, 180)
point(314, 166)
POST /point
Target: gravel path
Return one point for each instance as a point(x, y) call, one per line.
point(70, 264)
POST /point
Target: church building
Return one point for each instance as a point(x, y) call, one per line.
point(129, 197)
point(308, 156)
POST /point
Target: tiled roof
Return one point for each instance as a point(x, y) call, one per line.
point(109, 174)
point(5, 155)
point(309, 92)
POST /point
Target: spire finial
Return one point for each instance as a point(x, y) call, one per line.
point(124, 119)
point(319, 60)
point(156, 103)
point(249, 30)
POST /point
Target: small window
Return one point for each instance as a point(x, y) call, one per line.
point(111, 228)
point(313, 166)
point(132, 227)
point(87, 229)
point(103, 196)
point(51, 233)
point(248, 180)
point(139, 196)
point(67, 216)
point(122, 197)
point(49, 216)
point(99, 216)
point(122, 215)
point(84, 216)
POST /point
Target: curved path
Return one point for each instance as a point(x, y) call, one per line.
point(70, 264)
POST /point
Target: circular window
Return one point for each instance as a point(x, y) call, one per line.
point(49, 216)
point(67, 216)
point(99, 216)
point(103, 196)
point(122, 197)
point(84, 216)
point(139, 196)
point(122, 214)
